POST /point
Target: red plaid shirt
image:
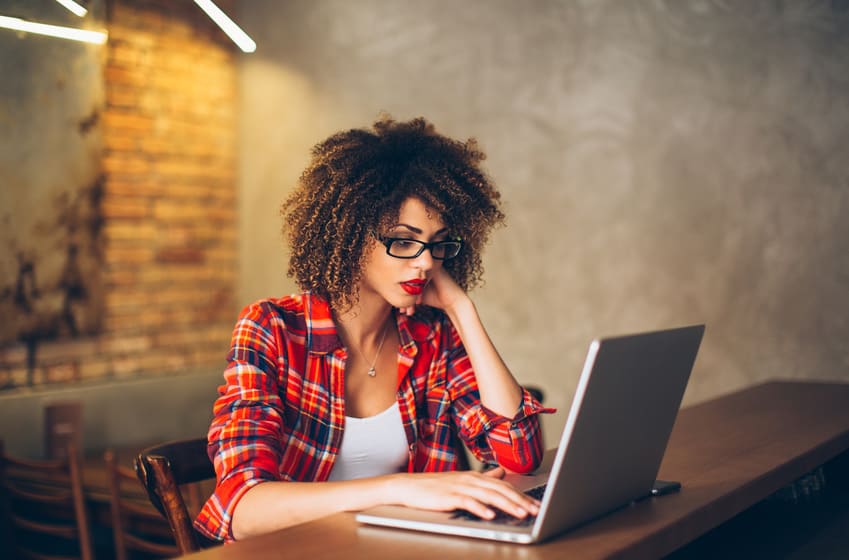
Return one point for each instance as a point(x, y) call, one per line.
point(281, 413)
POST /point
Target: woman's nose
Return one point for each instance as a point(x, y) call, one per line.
point(424, 261)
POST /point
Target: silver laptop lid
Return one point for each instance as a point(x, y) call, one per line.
point(617, 430)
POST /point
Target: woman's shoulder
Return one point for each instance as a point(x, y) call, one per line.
point(289, 309)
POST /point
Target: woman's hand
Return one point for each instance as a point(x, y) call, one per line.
point(499, 391)
point(441, 292)
point(477, 493)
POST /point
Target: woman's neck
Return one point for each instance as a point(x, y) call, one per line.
point(365, 323)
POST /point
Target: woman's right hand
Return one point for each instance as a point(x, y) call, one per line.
point(275, 505)
point(477, 493)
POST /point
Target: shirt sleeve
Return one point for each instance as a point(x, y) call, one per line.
point(245, 432)
point(514, 443)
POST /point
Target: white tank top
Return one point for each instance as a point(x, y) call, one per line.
point(372, 446)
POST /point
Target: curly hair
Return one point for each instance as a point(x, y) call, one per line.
point(354, 187)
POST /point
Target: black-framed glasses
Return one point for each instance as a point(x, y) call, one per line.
point(405, 248)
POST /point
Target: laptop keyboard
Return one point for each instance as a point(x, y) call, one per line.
point(502, 517)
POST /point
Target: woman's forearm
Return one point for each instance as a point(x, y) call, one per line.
point(276, 505)
point(499, 390)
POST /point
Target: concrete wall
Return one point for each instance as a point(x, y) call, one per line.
point(160, 99)
point(164, 210)
point(51, 96)
point(662, 163)
point(120, 413)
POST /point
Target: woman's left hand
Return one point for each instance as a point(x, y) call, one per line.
point(441, 292)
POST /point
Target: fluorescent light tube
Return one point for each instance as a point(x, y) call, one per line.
point(227, 25)
point(72, 33)
point(74, 7)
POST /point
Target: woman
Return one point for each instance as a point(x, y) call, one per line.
point(349, 395)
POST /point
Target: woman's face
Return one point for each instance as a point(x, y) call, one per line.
point(400, 281)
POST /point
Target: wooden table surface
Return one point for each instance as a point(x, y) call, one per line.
point(730, 453)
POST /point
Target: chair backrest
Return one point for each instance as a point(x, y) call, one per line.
point(44, 507)
point(136, 524)
point(163, 469)
point(463, 463)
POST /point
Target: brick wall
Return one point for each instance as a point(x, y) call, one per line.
point(168, 205)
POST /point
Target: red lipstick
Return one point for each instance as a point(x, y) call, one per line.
point(414, 287)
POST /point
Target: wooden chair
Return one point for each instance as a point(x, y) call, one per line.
point(136, 525)
point(163, 470)
point(44, 509)
point(463, 463)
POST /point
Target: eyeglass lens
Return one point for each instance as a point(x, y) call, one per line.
point(412, 248)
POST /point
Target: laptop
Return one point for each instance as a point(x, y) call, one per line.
point(611, 448)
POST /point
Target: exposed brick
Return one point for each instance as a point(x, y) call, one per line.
point(126, 163)
point(74, 349)
point(156, 146)
point(67, 372)
point(144, 188)
point(13, 355)
point(129, 255)
point(122, 122)
point(126, 366)
point(11, 378)
point(94, 367)
point(169, 204)
point(131, 232)
point(180, 255)
point(125, 207)
point(126, 54)
point(203, 335)
point(222, 254)
point(223, 214)
point(162, 364)
point(167, 209)
point(127, 344)
point(123, 278)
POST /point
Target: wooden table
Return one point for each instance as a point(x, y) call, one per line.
point(730, 453)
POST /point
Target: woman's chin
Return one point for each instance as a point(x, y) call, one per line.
point(403, 302)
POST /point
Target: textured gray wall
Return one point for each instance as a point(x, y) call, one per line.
point(51, 95)
point(662, 163)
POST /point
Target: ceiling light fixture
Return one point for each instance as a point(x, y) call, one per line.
point(96, 37)
point(227, 25)
point(74, 7)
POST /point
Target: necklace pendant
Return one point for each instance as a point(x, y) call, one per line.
point(372, 372)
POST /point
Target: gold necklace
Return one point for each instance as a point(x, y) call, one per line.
point(372, 372)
